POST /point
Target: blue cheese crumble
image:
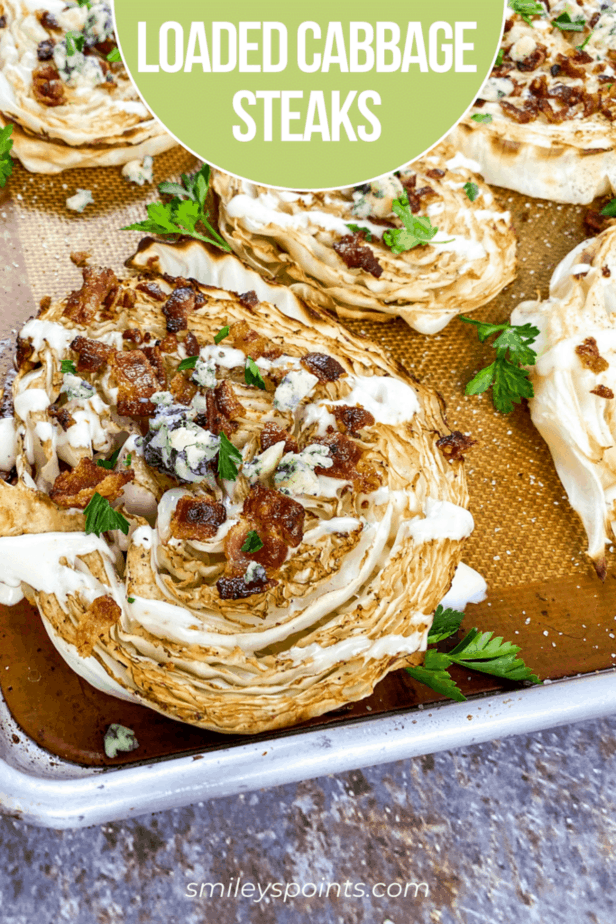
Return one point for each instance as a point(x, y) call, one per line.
point(294, 387)
point(255, 572)
point(98, 26)
point(296, 475)
point(75, 388)
point(205, 372)
point(80, 200)
point(175, 444)
point(139, 172)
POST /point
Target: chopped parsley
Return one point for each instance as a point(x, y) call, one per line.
point(478, 651)
point(184, 212)
point(510, 383)
point(114, 55)
point(471, 190)
point(586, 41)
point(222, 333)
point(356, 229)
point(417, 230)
point(109, 463)
point(566, 24)
point(6, 161)
point(609, 209)
point(499, 58)
point(131, 599)
point(526, 9)
point(228, 459)
point(253, 542)
point(189, 363)
point(484, 118)
point(128, 459)
point(68, 367)
point(252, 374)
point(75, 42)
point(101, 517)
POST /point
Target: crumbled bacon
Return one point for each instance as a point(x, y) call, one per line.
point(178, 306)
point(48, 21)
point(62, 415)
point(197, 518)
point(47, 86)
point(93, 354)
point(435, 173)
point(353, 419)
point(588, 351)
point(237, 589)
point(270, 556)
point(272, 434)
point(155, 358)
point(595, 222)
point(356, 256)
point(414, 194)
point(602, 391)
point(518, 115)
point(182, 389)
point(567, 67)
point(249, 299)
point(153, 290)
point(455, 445)
point(134, 335)
point(101, 615)
point(606, 271)
point(77, 487)
point(275, 513)
point(23, 353)
point(80, 257)
point(84, 304)
point(168, 344)
point(191, 344)
point(251, 343)
point(138, 380)
point(222, 409)
point(503, 70)
point(534, 60)
point(326, 368)
point(348, 463)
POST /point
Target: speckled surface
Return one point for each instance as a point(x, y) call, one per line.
point(519, 830)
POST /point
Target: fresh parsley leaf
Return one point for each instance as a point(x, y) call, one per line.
point(499, 58)
point(128, 459)
point(85, 3)
point(479, 651)
point(189, 363)
point(471, 190)
point(482, 117)
point(222, 333)
point(566, 24)
point(445, 624)
point(131, 599)
point(184, 212)
point(509, 382)
point(6, 161)
point(114, 55)
point(228, 459)
point(586, 41)
point(418, 230)
point(252, 374)
point(252, 543)
point(68, 367)
point(109, 463)
point(101, 517)
point(75, 42)
point(526, 9)
point(356, 229)
point(439, 681)
point(610, 209)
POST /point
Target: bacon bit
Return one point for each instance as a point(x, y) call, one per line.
point(326, 368)
point(567, 66)
point(348, 464)
point(44, 304)
point(178, 306)
point(138, 380)
point(47, 86)
point(436, 173)
point(353, 418)
point(168, 344)
point(93, 354)
point(534, 60)
point(275, 514)
point(48, 21)
point(352, 252)
point(83, 305)
point(502, 70)
point(182, 389)
point(101, 615)
point(127, 299)
point(197, 518)
point(249, 299)
point(606, 271)
point(595, 222)
point(271, 555)
point(155, 358)
point(252, 344)
point(178, 282)
point(594, 20)
point(222, 408)
point(80, 257)
point(518, 115)
point(153, 290)
point(77, 487)
point(455, 445)
point(191, 344)
point(272, 434)
point(134, 335)
point(588, 351)
point(237, 589)
point(23, 353)
point(602, 391)
point(64, 417)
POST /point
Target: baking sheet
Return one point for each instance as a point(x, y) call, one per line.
point(527, 543)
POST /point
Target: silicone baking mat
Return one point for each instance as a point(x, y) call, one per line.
point(528, 543)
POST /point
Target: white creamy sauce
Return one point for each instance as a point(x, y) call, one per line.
point(562, 356)
point(340, 652)
point(463, 246)
point(389, 400)
point(342, 526)
point(257, 213)
point(55, 335)
point(225, 356)
point(31, 401)
point(467, 586)
point(461, 161)
point(317, 413)
point(8, 443)
point(441, 520)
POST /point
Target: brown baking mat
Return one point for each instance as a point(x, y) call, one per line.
point(528, 543)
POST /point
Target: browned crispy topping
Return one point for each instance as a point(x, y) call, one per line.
point(153, 290)
point(353, 419)
point(348, 463)
point(134, 335)
point(595, 222)
point(155, 357)
point(191, 344)
point(251, 343)
point(435, 173)
point(455, 445)
point(222, 408)
point(326, 368)
point(101, 615)
point(98, 284)
point(47, 85)
point(272, 434)
point(602, 391)
point(274, 513)
point(237, 589)
point(534, 60)
point(64, 417)
point(48, 21)
point(168, 344)
point(182, 389)
point(23, 353)
point(80, 257)
point(414, 194)
point(606, 271)
point(138, 379)
point(77, 487)
point(93, 354)
point(356, 255)
point(249, 299)
point(197, 518)
point(588, 351)
point(178, 306)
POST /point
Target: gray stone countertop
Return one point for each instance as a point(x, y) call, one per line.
point(517, 831)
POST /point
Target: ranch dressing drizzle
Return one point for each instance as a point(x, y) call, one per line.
point(389, 400)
